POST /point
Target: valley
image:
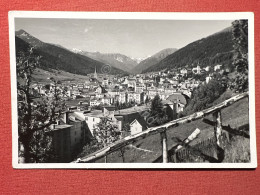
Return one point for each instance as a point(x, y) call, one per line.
point(96, 99)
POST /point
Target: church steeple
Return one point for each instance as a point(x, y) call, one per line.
point(95, 74)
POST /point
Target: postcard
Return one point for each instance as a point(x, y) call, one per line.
point(132, 90)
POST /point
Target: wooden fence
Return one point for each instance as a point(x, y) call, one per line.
point(218, 130)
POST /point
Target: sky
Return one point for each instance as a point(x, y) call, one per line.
point(134, 38)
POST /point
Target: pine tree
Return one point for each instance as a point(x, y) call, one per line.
point(158, 113)
point(156, 105)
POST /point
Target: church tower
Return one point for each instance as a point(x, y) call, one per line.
point(95, 73)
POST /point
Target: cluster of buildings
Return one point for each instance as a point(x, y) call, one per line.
point(107, 90)
point(77, 125)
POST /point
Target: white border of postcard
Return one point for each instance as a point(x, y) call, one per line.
point(133, 15)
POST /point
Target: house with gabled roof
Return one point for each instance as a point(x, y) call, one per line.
point(138, 125)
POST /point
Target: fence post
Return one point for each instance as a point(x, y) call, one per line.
point(218, 134)
point(218, 126)
point(122, 154)
point(164, 147)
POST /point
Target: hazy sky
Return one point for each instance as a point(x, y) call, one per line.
point(134, 38)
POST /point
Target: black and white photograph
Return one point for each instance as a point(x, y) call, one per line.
point(132, 90)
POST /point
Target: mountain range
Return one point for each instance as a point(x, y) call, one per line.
point(116, 60)
point(214, 49)
point(59, 58)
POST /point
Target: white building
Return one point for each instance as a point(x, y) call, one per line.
point(217, 67)
point(105, 82)
point(208, 78)
point(122, 97)
point(196, 70)
point(184, 71)
point(92, 118)
point(137, 126)
point(106, 100)
point(94, 102)
point(207, 68)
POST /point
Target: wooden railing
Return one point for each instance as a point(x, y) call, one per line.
point(217, 123)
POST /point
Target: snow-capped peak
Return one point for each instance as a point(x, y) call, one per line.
point(138, 60)
point(24, 34)
point(120, 59)
point(75, 50)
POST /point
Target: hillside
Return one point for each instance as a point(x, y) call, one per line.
point(116, 60)
point(209, 51)
point(154, 59)
point(59, 58)
point(42, 76)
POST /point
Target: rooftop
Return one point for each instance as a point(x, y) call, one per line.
point(141, 121)
point(75, 118)
point(95, 113)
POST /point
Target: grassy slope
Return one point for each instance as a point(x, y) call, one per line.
point(150, 148)
point(42, 76)
point(238, 150)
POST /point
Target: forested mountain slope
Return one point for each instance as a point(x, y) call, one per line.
point(214, 49)
point(59, 58)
